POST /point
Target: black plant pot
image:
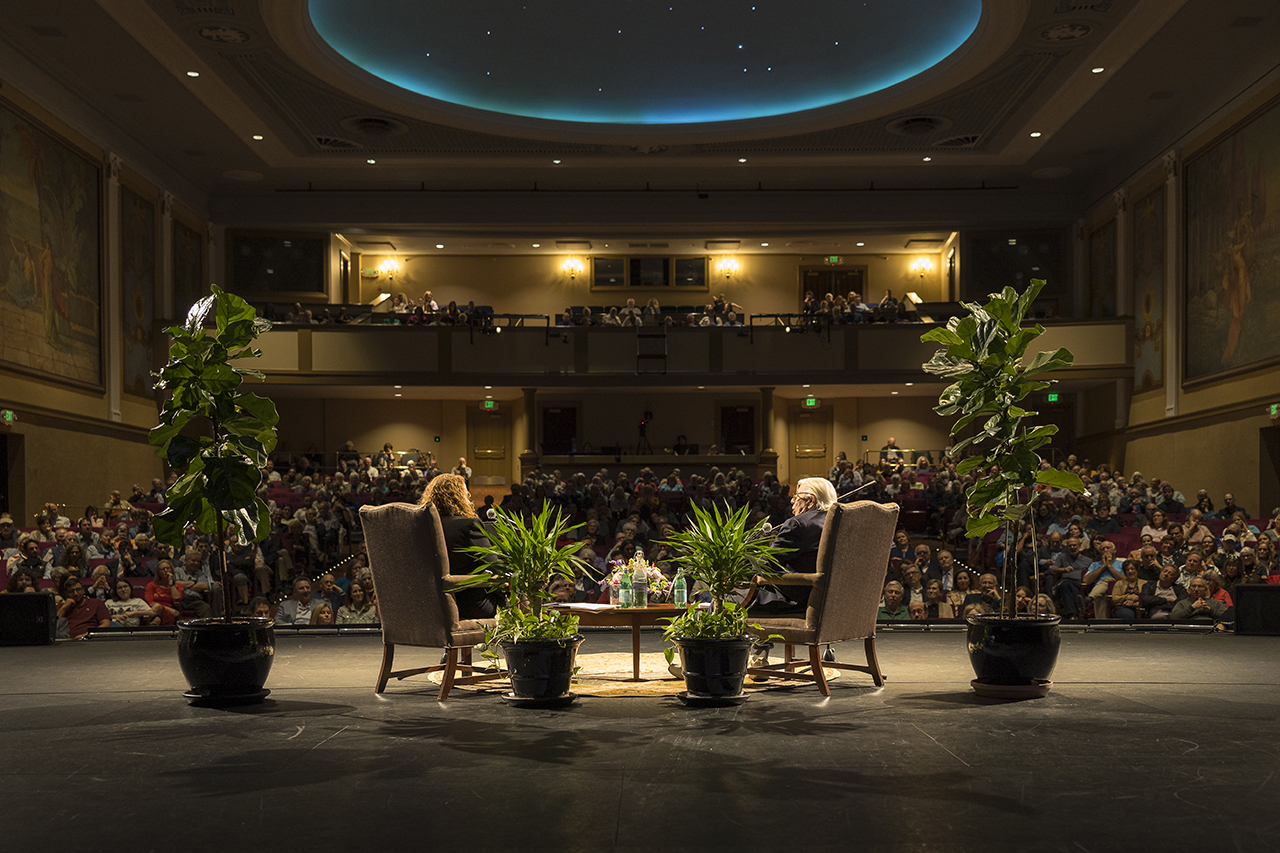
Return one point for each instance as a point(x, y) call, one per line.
point(1013, 658)
point(541, 669)
point(226, 663)
point(713, 669)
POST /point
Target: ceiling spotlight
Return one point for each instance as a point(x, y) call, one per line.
point(488, 396)
point(193, 73)
point(399, 395)
point(488, 387)
point(1098, 70)
point(804, 386)
point(1036, 134)
point(537, 245)
point(397, 387)
point(909, 384)
point(862, 244)
point(259, 137)
point(439, 245)
point(893, 392)
point(557, 162)
point(742, 159)
point(371, 161)
point(764, 244)
point(927, 159)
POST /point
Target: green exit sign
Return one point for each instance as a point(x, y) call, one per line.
point(1053, 398)
point(8, 416)
point(1275, 411)
point(833, 260)
point(811, 402)
point(489, 405)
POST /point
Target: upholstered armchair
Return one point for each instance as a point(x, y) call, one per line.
point(410, 566)
point(845, 596)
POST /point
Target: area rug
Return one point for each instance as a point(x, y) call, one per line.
point(609, 674)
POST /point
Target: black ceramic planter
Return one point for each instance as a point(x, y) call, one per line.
point(541, 669)
point(1013, 657)
point(713, 669)
point(226, 662)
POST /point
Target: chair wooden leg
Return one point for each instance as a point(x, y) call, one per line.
point(876, 675)
point(450, 670)
point(788, 655)
point(388, 654)
point(815, 667)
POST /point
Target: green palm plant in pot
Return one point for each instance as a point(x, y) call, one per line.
point(539, 644)
point(218, 436)
point(720, 551)
point(984, 353)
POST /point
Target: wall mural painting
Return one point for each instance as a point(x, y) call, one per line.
point(1233, 251)
point(1101, 296)
point(1148, 291)
point(188, 268)
point(50, 254)
point(138, 280)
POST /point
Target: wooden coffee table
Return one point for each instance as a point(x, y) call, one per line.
point(636, 617)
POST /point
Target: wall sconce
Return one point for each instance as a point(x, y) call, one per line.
point(922, 266)
point(389, 268)
point(728, 265)
point(572, 267)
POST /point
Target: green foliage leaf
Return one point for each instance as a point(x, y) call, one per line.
point(944, 365)
point(1047, 361)
point(980, 525)
point(942, 336)
point(730, 623)
point(184, 448)
point(232, 481)
point(1055, 479)
point(973, 463)
point(719, 550)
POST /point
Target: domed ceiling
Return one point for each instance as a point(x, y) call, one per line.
point(644, 62)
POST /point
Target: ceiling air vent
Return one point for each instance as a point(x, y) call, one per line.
point(918, 125)
point(958, 141)
point(1067, 8)
point(336, 143)
point(374, 125)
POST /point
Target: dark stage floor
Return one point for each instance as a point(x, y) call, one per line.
point(1148, 742)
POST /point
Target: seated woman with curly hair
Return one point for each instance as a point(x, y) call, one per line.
point(448, 494)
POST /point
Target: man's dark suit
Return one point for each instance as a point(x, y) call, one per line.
point(801, 532)
point(461, 532)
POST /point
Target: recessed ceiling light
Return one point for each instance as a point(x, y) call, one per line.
point(193, 73)
point(371, 161)
point(537, 245)
point(804, 386)
point(488, 387)
point(700, 387)
point(862, 244)
point(259, 137)
point(1036, 134)
point(893, 392)
point(1098, 70)
point(399, 395)
point(439, 245)
point(909, 384)
point(927, 159)
point(764, 244)
point(742, 159)
point(557, 162)
point(488, 396)
point(397, 387)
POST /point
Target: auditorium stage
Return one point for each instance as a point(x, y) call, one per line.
point(1147, 742)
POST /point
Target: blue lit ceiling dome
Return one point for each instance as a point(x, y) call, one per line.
point(642, 63)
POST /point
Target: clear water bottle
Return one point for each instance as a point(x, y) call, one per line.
point(680, 592)
point(639, 587)
point(625, 599)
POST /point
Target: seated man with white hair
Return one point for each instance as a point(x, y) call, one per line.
point(802, 532)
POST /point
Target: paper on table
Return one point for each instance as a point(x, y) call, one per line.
point(578, 605)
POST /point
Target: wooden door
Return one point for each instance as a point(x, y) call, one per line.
point(489, 443)
point(559, 430)
point(810, 449)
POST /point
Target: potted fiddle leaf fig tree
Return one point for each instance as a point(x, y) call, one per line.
point(540, 644)
point(719, 550)
point(984, 353)
point(218, 436)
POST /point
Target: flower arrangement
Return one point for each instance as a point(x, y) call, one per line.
point(622, 572)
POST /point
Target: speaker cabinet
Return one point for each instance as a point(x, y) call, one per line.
point(27, 619)
point(1257, 608)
